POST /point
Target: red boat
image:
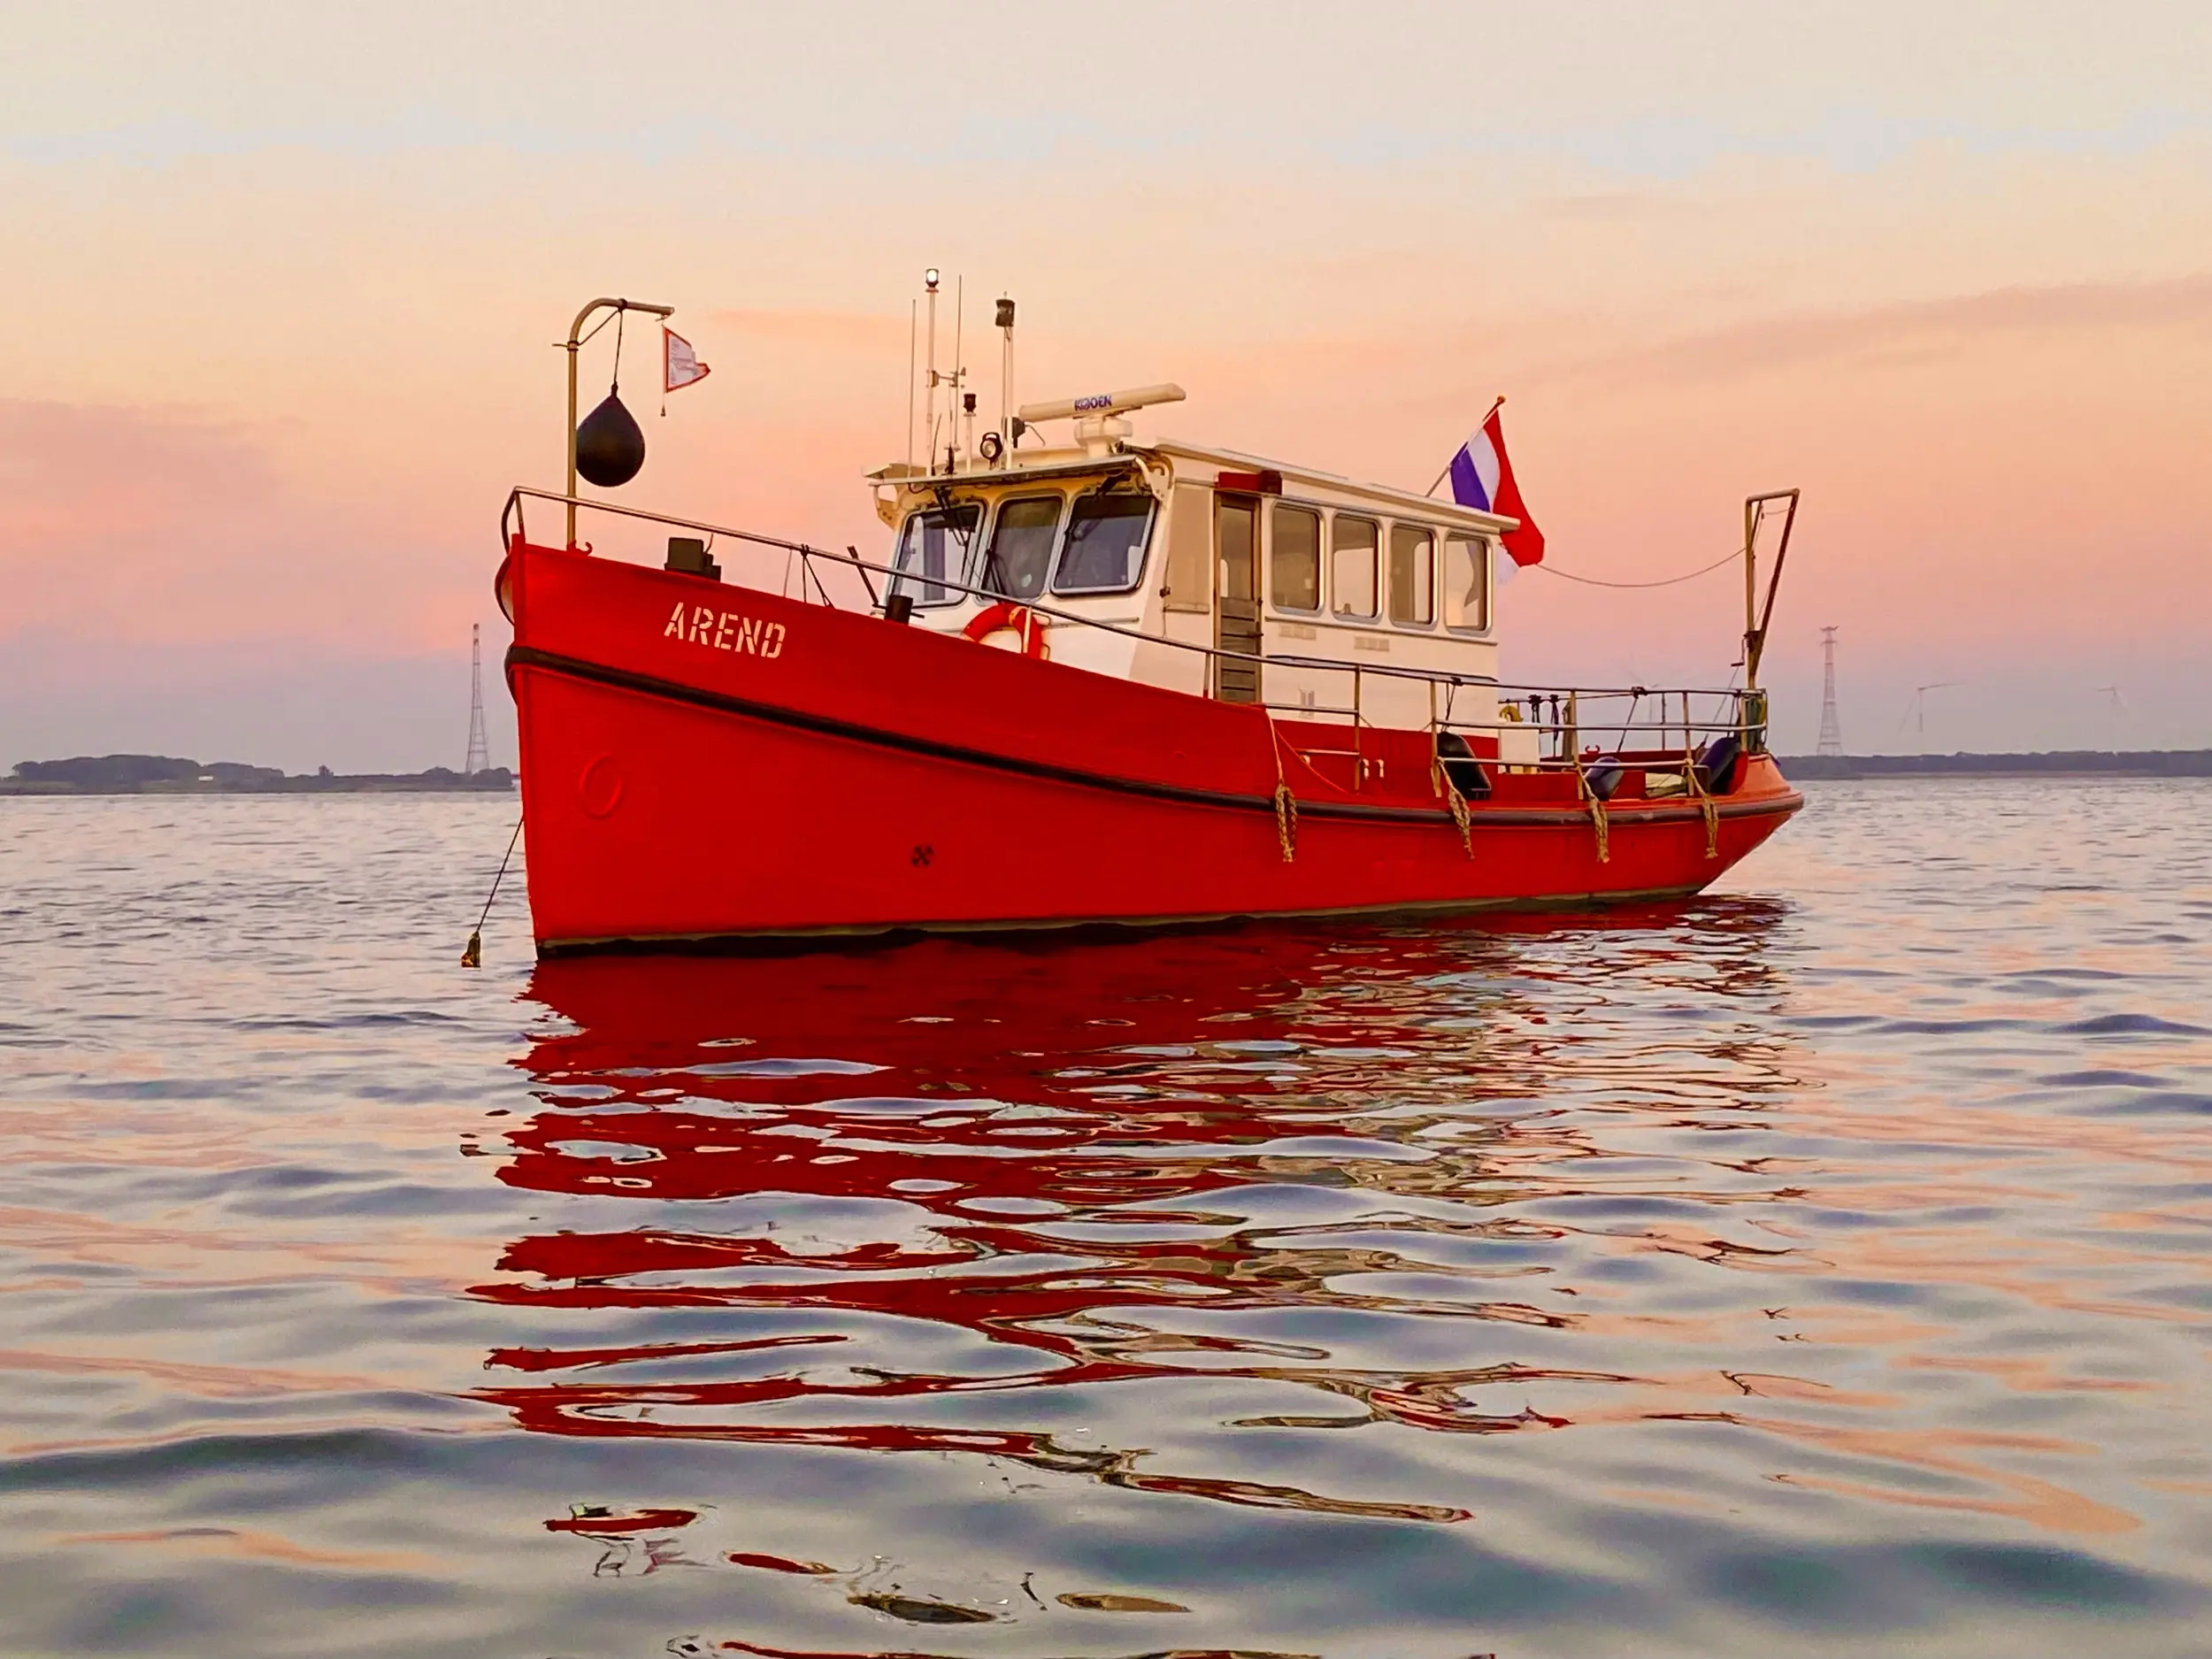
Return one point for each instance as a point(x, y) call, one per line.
point(1094, 681)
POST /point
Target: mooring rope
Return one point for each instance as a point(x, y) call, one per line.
point(1695, 782)
point(1667, 581)
point(1596, 803)
point(473, 953)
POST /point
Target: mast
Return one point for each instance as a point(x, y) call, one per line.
point(960, 403)
point(1006, 374)
point(929, 409)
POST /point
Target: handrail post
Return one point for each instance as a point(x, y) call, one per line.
point(1359, 736)
point(573, 345)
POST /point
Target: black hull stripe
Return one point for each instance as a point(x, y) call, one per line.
point(1480, 818)
point(864, 933)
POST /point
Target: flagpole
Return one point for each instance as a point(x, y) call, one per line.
point(1479, 425)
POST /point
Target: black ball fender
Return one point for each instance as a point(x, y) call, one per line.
point(610, 445)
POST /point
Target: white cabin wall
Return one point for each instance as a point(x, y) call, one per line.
point(1173, 605)
point(1381, 698)
point(1175, 670)
point(1179, 592)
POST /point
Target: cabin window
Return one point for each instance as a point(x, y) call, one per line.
point(933, 545)
point(1412, 575)
point(1466, 582)
point(1352, 585)
point(1105, 546)
point(1236, 538)
point(1295, 567)
point(1021, 551)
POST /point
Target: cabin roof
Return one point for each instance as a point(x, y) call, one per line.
point(1381, 494)
point(1074, 466)
point(1127, 454)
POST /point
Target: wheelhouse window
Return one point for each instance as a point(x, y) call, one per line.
point(1466, 582)
point(1294, 566)
point(1104, 552)
point(1019, 555)
point(1412, 575)
point(1352, 574)
point(933, 547)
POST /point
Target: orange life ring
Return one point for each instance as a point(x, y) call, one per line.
point(1005, 616)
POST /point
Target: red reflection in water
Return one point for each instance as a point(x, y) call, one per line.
point(1054, 1122)
point(593, 1523)
point(1058, 1156)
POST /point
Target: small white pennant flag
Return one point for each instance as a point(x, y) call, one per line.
point(680, 364)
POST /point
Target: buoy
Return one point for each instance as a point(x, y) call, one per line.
point(610, 446)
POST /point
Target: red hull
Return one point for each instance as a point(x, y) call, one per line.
point(702, 761)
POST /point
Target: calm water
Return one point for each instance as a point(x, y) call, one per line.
point(1818, 1268)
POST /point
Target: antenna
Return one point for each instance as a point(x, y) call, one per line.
point(929, 411)
point(478, 759)
point(1830, 728)
point(960, 370)
point(1006, 372)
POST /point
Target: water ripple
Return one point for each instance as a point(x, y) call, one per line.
point(1816, 1265)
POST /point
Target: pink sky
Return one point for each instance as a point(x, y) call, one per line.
point(282, 282)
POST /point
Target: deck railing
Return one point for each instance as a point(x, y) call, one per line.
point(1570, 725)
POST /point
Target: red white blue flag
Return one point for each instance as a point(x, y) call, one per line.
point(1482, 478)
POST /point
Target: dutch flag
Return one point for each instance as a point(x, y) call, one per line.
point(1482, 478)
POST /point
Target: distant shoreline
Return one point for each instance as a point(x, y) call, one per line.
point(2158, 763)
point(174, 775)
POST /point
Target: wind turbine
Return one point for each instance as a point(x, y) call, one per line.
point(1917, 710)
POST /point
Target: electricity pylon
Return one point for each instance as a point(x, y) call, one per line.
point(479, 757)
point(1830, 728)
